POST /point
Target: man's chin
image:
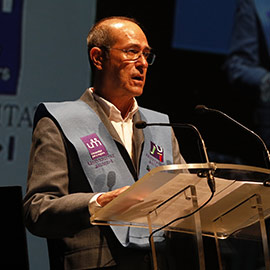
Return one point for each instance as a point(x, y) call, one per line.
point(137, 91)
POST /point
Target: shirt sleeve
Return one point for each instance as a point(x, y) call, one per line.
point(93, 204)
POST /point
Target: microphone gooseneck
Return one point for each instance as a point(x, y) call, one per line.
point(143, 124)
point(209, 174)
point(204, 109)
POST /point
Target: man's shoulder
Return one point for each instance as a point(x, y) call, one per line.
point(65, 109)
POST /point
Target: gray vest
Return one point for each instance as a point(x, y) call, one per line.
point(100, 158)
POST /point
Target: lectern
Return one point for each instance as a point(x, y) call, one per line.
point(179, 196)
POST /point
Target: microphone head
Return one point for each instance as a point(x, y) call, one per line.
point(140, 124)
point(201, 109)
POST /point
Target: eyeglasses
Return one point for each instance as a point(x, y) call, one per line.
point(134, 55)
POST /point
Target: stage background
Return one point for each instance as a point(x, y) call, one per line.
point(43, 58)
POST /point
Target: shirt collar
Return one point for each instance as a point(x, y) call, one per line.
point(111, 111)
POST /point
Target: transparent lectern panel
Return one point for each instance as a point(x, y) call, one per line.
point(178, 208)
point(162, 183)
point(238, 219)
point(164, 191)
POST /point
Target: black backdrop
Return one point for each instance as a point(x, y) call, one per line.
point(180, 79)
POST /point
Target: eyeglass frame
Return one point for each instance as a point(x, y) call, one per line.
point(138, 54)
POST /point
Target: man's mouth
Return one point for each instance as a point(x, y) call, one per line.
point(137, 78)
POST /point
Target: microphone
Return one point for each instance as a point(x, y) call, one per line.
point(204, 109)
point(209, 175)
point(140, 124)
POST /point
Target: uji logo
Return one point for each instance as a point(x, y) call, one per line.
point(10, 45)
point(95, 146)
point(157, 151)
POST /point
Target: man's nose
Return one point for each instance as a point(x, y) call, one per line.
point(142, 61)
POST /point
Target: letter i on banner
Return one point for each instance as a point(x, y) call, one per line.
point(10, 45)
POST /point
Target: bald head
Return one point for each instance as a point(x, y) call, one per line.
point(102, 34)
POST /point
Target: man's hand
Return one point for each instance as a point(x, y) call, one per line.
point(105, 198)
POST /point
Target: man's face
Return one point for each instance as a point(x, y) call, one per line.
point(125, 77)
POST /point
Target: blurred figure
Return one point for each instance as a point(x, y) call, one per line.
point(248, 63)
point(248, 70)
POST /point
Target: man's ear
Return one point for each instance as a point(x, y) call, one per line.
point(96, 56)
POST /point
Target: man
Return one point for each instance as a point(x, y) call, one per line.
point(85, 153)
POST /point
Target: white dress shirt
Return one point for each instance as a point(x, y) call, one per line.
point(124, 128)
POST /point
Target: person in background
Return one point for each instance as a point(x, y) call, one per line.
point(248, 70)
point(248, 62)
